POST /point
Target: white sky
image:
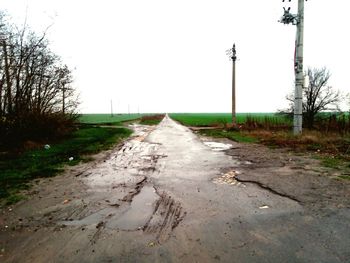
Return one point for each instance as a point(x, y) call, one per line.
point(169, 56)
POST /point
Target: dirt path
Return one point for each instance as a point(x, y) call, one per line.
point(167, 196)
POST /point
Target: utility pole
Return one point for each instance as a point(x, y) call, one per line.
point(63, 98)
point(297, 20)
point(232, 54)
point(111, 108)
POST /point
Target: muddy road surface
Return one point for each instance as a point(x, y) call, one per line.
point(166, 195)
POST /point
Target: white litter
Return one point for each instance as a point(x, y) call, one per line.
point(264, 207)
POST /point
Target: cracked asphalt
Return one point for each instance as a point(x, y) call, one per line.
point(167, 195)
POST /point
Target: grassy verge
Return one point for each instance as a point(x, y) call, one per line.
point(18, 170)
point(332, 149)
point(232, 135)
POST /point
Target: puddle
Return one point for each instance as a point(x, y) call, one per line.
point(135, 216)
point(139, 213)
point(217, 146)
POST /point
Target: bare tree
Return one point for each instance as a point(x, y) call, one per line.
point(34, 84)
point(318, 96)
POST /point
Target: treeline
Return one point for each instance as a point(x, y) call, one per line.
point(37, 100)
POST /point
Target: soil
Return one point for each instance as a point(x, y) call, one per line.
point(166, 195)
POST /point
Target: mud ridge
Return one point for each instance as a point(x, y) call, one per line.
point(96, 236)
point(166, 217)
point(98, 158)
point(135, 191)
point(265, 187)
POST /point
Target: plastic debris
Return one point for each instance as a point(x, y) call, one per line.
point(151, 244)
point(70, 159)
point(264, 207)
point(66, 201)
point(47, 146)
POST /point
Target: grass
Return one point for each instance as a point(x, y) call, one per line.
point(152, 119)
point(232, 135)
point(18, 170)
point(344, 177)
point(340, 163)
point(221, 119)
point(150, 122)
point(332, 162)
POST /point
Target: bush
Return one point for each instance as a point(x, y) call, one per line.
point(14, 132)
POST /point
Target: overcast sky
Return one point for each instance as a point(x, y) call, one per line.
point(169, 56)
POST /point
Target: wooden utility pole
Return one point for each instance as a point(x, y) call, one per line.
point(63, 99)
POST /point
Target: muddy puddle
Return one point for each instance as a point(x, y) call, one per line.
point(139, 213)
point(217, 146)
point(132, 217)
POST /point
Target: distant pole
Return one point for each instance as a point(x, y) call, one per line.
point(63, 99)
point(297, 20)
point(111, 108)
point(233, 57)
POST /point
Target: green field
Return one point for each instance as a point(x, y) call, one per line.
point(212, 119)
point(107, 118)
point(189, 119)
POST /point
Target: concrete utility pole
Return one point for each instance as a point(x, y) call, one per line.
point(297, 20)
point(232, 54)
point(299, 71)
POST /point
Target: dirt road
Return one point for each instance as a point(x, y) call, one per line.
point(166, 195)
